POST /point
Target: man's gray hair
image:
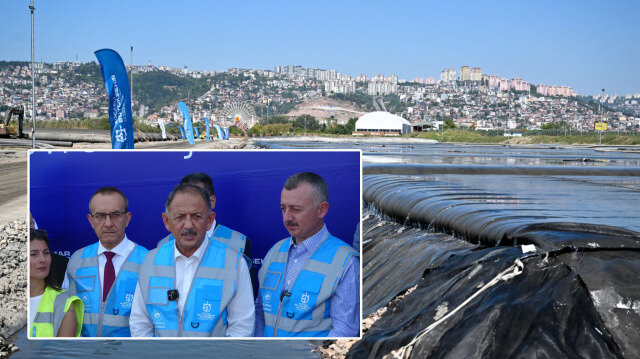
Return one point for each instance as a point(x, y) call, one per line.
point(187, 187)
point(317, 183)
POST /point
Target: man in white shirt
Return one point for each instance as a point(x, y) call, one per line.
point(219, 232)
point(104, 274)
point(192, 286)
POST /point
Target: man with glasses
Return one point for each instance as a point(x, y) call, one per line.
point(104, 274)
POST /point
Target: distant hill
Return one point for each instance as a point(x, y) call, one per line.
point(159, 88)
point(4, 64)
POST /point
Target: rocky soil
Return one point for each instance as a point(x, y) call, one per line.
point(13, 282)
point(323, 108)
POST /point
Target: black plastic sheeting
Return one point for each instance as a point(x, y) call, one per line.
point(546, 312)
point(484, 217)
point(579, 294)
point(421, 169)
point(396, 258)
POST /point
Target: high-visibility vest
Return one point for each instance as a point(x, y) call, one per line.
point(213, 287)
point(109, 318)
point(52, 308)
point(305, 309)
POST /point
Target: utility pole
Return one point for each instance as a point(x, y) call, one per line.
point(601, 116)
point(33, 82)
point(131, 81)
point(131, 73)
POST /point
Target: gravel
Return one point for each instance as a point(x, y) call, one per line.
point(13, 282)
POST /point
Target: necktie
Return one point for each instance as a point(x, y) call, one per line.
point(109, 275)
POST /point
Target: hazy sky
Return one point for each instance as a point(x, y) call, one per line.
point(588, 45)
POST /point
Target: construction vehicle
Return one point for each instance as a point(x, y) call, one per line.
point(8, 127)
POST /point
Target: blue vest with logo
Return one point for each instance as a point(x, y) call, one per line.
point(110, 318)
point(305, 310)
point(213, 287)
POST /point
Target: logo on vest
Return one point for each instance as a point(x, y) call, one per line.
point(158, 321)
point(128, 301)
point(302, 306)
point(266, 301)
point(87, 303)
point(205, 314)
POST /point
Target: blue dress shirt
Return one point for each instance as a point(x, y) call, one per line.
point(345, 302)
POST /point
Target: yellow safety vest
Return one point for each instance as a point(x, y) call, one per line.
point(51, 310)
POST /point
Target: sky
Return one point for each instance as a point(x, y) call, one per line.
point(587, 45)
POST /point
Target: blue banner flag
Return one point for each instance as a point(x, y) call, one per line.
point(219, 130)
point(197, 132)
point(181, 131)
point(116, 83)
point(226, 133)
point(206, 122)
point(186, 122)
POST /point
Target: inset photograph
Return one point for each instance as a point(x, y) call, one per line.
point(171, 244)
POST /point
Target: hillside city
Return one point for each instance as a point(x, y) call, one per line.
point(73, 90)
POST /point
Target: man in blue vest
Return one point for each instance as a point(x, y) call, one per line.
point(309, 282)
point(104, 274)
point(192, 286)
point(226, 235)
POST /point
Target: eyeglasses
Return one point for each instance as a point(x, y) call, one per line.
point(114, 216)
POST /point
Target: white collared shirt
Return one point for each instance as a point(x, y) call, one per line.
point(240, 311)
point(122, 251)
point(212, 229)
point(187, 266)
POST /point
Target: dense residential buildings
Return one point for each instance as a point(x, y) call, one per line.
point(379, 88)
point(447, 76)
point(476, 74)
point(465, 73)
point(473, 99)
point(340, 86)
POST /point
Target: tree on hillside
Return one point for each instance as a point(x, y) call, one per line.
point(449, 124)
point(306, 122)
point(274, 119)
point(560, 125)
point(338, 129)
point(351, 125)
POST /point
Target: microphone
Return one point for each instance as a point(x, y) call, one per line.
point(172, 294)
point(284, 293)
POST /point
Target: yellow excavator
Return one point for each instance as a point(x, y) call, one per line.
point(8, 127)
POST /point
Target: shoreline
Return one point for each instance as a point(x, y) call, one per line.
point(249, 142)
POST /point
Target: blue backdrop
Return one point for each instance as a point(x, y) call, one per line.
point(247, 186)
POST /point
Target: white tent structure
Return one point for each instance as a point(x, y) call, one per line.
point(384, 123)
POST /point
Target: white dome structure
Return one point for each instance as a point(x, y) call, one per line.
point(380, 122)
